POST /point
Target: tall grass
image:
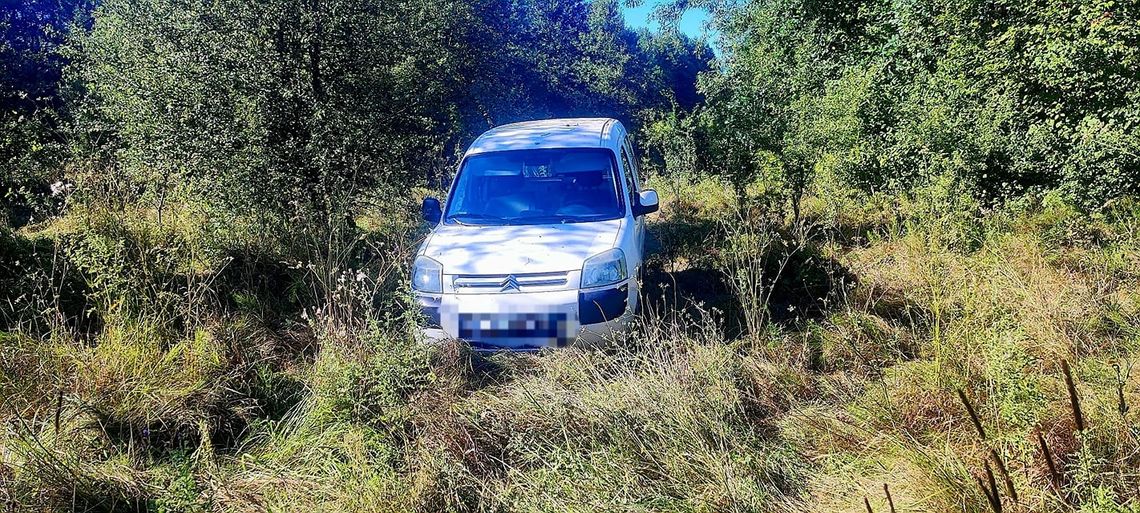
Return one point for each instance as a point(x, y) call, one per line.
point(830, 371)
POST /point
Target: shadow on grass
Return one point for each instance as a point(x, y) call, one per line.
point(682, 275)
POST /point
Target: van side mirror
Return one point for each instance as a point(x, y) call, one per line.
point(432, 211)
point(647, 203)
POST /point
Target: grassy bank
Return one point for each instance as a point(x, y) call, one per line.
point(958, 354)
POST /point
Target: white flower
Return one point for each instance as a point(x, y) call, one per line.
point(59, 187)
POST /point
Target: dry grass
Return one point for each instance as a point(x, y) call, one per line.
point(247, 406)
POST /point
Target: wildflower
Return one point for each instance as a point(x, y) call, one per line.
point(59, 188)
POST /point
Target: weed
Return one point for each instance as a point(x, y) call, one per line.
point(1074, 399)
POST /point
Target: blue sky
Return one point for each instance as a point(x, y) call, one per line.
point(638, 17)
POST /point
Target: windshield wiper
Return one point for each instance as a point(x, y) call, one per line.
point(560, 219)
point(473, 217)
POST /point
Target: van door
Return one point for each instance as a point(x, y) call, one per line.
point(632, 184)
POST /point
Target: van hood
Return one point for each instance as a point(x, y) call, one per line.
point(519, 249)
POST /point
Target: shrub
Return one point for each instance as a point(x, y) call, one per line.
point(384, 384)
point(141, 272)
point(860, 342)
point(33, 116)
point(40, 291)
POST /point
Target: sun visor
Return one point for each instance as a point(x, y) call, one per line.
point(584, 161)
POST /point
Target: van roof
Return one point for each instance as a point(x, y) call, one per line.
point(551, 133)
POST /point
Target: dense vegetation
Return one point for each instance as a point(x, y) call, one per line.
point(897, 265)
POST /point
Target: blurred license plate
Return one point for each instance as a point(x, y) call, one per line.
point(480, 326)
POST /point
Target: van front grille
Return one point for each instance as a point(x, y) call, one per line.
point(509, 282)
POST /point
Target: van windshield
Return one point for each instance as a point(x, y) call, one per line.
point(542, 186)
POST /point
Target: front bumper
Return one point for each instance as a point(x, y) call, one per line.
point(528, 321)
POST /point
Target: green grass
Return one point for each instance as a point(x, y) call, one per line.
point(267, 387)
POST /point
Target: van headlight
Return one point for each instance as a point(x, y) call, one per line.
point(604, 268)
point(427, 275)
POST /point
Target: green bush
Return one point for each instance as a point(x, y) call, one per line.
point(383, 385)
point(33, 114)
point(138, 272)
point(1007, 98)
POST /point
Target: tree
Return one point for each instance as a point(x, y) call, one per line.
point(276, 106)
point(32, 143)
point(758, 111)
point(1008, 98)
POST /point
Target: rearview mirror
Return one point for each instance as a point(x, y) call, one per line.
point(432, 211)
point(646, 203)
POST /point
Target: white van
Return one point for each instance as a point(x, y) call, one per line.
point(541, 239)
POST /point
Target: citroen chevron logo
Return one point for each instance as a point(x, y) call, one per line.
point(509, 283)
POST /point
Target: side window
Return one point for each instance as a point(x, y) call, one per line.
point(630, 174)
point(633, 160)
